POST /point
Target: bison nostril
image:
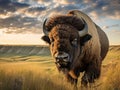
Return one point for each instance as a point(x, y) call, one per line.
point(61, 57)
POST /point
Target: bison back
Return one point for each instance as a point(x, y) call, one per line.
point(103, 41)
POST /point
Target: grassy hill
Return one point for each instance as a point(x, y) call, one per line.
point(23, 50)
point(32, 68)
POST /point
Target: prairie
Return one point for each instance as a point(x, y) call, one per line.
point(32, 68)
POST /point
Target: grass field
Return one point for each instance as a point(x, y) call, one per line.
point(38, 71)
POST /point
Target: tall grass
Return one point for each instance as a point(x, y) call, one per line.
point(19, 76)
point(30, 79)
point(112, 81)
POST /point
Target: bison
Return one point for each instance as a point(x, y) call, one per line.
point(77, 44)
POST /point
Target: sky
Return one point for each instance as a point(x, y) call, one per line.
point(21, 20)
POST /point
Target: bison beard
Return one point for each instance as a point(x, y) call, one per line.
point(77, 45)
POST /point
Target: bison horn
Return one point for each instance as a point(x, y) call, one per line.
point(45, 31)
point(84, 31)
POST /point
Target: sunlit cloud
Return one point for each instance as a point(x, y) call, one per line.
point(94, 15)
point(116, 15)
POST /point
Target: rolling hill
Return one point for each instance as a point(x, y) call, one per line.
point(24, 50)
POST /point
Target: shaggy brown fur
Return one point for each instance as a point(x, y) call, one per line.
point(63, 19)
point(62, 34)
point(86, 54)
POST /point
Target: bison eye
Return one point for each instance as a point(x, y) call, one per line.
point(74, 42)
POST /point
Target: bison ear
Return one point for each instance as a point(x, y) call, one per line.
point(46, 39)
point(85, 38)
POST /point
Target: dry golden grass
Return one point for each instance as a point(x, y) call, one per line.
point(112, 81)
point(40, 73)
point(30, 76)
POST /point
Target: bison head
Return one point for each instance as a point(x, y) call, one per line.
point(65, 34)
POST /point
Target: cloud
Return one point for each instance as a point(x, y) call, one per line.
point(13, 17)
point(94, 15)
point(103, 9)
point(20, 24)
point(94, 8)
point(34, 10)
point(9, 6)
point(23, 16)
point(111, 26)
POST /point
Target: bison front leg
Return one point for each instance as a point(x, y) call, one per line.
point(91, 73)
point(72, 81)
